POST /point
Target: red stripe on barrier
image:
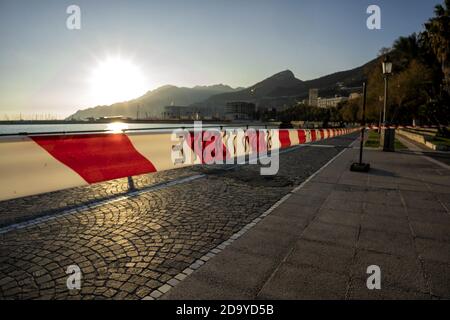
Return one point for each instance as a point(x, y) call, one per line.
point(285, 141)
point(313, 135)
point(97, 157)
point(322, 133)
point(301, 136)
point(259, 142)
point(203, 144)
point(263, 141)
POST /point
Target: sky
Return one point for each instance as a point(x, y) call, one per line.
point(47, 68)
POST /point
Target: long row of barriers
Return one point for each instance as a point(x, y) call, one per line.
point(35, 164)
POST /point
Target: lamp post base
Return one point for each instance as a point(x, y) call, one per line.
point(360, 167)
point(387, 140)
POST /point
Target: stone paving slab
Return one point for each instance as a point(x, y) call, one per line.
point(336, 225)
point(314, 284)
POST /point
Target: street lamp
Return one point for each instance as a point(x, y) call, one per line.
point(387, 135)
point(387, 70)
point(380, 107)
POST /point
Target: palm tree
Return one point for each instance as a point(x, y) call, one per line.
point(405, 50)
point(437, 36)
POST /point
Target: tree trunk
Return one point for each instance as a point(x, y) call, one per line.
point(446, 72)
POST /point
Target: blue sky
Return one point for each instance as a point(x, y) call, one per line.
point(44, 66)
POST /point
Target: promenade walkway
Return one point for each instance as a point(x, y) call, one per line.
point(132, 245)
point(318, 243)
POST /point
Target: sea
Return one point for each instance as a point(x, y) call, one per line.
point(112, 127)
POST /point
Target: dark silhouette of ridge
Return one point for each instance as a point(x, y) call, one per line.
point(277, 90)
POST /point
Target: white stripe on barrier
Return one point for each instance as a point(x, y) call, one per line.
point(27, 169)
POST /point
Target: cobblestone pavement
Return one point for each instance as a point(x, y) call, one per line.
point(128, 248)
point(16, 210)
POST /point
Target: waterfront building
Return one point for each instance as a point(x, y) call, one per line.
point(330, 102)
point(313, 97)
point(240, 111)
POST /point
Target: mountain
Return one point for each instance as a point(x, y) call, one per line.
point(152, 103)
point(284, 80)
point(276, 91)
point(283, 88)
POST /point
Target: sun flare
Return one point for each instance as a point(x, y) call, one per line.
point(116, 80)
point(116, 127)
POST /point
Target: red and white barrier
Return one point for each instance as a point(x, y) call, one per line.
point(37, 164)
point(372, 127)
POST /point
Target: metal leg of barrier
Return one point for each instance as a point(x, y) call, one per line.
point(131, 184)
point(360, 166)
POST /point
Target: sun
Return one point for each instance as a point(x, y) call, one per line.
point(116, 127)
point(116, 80)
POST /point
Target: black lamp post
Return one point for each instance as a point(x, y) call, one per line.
point(387, 70)
point(387, 135)
point(380, 99)
point(360, 166)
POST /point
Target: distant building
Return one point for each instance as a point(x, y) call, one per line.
point(354, 95)
point(115, 118)
point(313, 97)
point(107, 118)
point(316, 101)
point(240, 111)
point(330, 102)
point(303, 102)
point(182, 113)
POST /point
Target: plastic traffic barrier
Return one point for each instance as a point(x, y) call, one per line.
point(37, 164)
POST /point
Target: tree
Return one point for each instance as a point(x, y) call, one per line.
point(404, 50)
point(350, 110)
point(305, 113)
point(409, 92)
point(437, 37)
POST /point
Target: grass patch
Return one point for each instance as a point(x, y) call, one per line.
point(373, 141)
point(398, 145)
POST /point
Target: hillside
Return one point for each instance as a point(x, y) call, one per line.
point(280, 89)
point(284, 87)
point(152, 103)
point(284, 80)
